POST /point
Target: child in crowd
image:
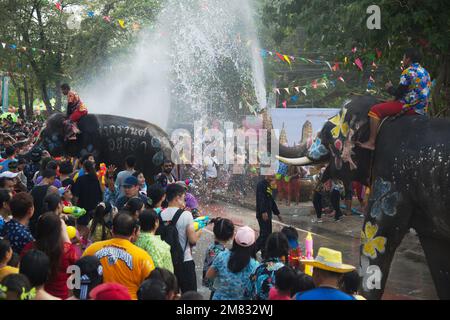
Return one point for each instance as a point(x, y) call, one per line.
point(156, 197)
point(284, 285)
point(6, 253)
point(169, 279)
point(349, 284)
point(17, 287)
point(303, 282)
point(99, 227)
point(35, 265)
point(295, 252)
point(91, 273)
point(66, 195)
point(152, 289)
point(223, 233)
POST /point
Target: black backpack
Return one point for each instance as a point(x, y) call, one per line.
point(169, 233)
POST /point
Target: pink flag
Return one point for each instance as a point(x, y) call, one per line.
point(58, 6)
point(285, 104)
point(379, 53)
point(359, 63)
point(314, 84)
point(107, 18)
point(371, 79)
point(342, 79)
point(354, 50)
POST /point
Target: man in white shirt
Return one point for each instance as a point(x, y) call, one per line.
point(188, 237)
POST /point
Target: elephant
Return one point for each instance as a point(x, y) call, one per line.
point(110, 139)
point(408, 175)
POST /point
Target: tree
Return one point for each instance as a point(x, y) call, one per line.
point(333, 28)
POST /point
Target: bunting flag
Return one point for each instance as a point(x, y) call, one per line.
point(3, 45)
point(122, 23)
point(90, 14)
point(329, 65)
point(314, 84)
point(263, 53)
point(354, 50)
point(324, 84)
point(336, 66)
point(304, 91)
point(374, 65)
point(279, 56)
point(287, 90)
point(136, 26)
point(285, 104)
point(13, 46)
point(286, 58)
point(371, 79)
point(342, 79)
point(345, 60)
point(58, 6)
point(359, 63)
point(297, 89)
point(107, 18)
point(277, 91)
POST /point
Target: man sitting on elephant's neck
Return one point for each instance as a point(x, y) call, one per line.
point(411, 96)
point(75, 110)
point(131, 189)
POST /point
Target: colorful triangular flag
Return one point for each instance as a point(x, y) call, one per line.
point(314, 84)
point(329, 65)
point(277, 90)
point(354, 50)
point(285, 104)
point(304, 91)
point(107, 18)
point(286, 58)
point(90, 14)
point(297, 89)
point(359, 63)
point(287, 90)
point(342, 79)
point(121, 23)
point(58, 6)
point(345, 60)
point(280, 56)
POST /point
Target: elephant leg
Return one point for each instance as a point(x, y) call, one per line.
point(385, 225)
point(437, 252)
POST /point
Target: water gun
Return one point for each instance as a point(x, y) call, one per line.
point(201, 222)
point(101, 173)
point(72, 232)
point(75, 211)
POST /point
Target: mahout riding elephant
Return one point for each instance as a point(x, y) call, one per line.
point(110, 139)
point(409, 178)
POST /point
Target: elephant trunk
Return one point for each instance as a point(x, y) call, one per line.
point(293, 152)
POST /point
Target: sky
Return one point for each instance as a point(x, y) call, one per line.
point(295, 118)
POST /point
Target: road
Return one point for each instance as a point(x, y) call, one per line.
point(408, 279)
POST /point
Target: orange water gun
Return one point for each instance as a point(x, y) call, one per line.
point(101, 173)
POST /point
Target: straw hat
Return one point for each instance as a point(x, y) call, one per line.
point(329, 260)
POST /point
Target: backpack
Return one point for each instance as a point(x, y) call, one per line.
point(169, 233)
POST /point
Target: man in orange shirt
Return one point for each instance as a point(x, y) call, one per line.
point(75, 110)
point(122, 261)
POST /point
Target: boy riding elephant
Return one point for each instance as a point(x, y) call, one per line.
point(75, 110)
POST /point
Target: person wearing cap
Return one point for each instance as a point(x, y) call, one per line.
point(265, 207)
point(131, 190)
point(122, 261)
point(33, 167)
point(91, 276)
point(110, 291)
point(327, 276)
point(130, 163)
point(231, 269)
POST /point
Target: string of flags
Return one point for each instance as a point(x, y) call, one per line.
point(13, 46)
point(91, 14)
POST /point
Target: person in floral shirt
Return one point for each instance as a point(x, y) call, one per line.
point(158, 249)
point(411, 96)
point(223, 232)
point(263, 278)
point(231, 269)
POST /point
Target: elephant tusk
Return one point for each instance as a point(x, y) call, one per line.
point(303, 161)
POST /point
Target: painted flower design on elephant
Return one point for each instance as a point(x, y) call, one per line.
point(317, 150)
point(384, 199)
point(371, 243)
point(340, 125)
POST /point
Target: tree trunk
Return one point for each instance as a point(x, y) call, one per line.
point(26, 96)
point(19, 101)
point(29, 105)
point(58, 95)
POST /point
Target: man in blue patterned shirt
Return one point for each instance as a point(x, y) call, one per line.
point(411, 96)
point(16, 230)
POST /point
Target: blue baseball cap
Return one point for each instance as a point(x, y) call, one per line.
point(131, 181)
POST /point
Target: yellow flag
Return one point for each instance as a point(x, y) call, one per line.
point(287, 59)
point(122, 23)
point(346, 60)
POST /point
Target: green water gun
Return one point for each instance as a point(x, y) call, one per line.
point(75, 211)
point(201, 222)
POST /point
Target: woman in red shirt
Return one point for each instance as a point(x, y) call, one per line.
point(52, 238)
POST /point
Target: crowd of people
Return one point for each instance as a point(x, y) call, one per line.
point(133, 240)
